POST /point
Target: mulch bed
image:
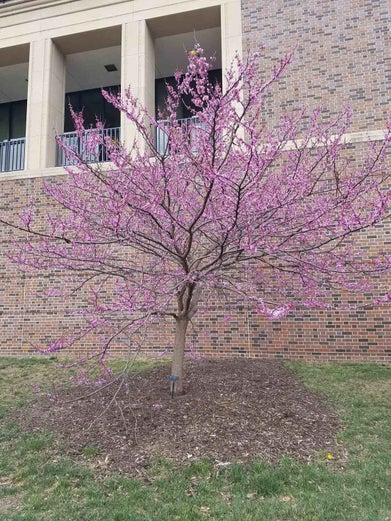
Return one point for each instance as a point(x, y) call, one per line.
point(233, 410)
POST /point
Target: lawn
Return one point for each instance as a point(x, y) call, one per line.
point(38, 483)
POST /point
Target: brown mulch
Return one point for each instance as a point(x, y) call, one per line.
point(233, 410)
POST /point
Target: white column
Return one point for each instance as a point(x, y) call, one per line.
point(137, 71)
point(45, 103)
point(231, 32)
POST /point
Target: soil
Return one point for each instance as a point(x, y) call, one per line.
point(233, 410)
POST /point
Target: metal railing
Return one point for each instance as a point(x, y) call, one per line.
point(12, 154)
point(99, 155)
point(193, 124)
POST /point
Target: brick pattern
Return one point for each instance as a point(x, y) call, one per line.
point(342, 58)
point(342, 55)
point(29, 319)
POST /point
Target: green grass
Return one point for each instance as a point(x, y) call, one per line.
point(37, 485)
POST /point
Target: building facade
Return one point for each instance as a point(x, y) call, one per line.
point(55, 52)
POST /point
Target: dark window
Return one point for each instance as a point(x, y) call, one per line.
point(4, 121)
point(161, 96)
point(73, 99)
point(94, 106)
point(13, 120)
point(183, 111)
point(18, 119)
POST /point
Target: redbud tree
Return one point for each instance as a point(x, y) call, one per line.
point(229, 209)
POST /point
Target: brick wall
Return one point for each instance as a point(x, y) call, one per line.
point(29, 319)
point(342, 54)
point(342, 57)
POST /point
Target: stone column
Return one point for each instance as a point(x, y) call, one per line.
point(45, 103)
point(231, 32)
point(137, 71)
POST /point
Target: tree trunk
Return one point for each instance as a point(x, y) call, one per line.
point(179, 355)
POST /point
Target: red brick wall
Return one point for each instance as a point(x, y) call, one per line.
point(342, 55)
point(342, 58)
point(29, 319)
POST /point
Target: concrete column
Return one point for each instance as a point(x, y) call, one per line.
point(137, 71)
point(45, 103)
point(231, 33)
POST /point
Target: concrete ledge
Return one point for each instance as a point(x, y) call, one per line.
point(29, 174)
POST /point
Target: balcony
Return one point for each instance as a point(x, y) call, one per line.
point(12, 154)
point(192, 125)
point(72, 140)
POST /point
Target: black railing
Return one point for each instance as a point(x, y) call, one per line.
point(12, 154)
point(72, 141)
point(193, 124)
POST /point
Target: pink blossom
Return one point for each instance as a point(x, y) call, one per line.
point(231, 210)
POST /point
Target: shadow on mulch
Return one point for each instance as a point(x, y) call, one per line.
point(233, 410)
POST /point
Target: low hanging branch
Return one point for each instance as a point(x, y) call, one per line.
point(229, 207)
